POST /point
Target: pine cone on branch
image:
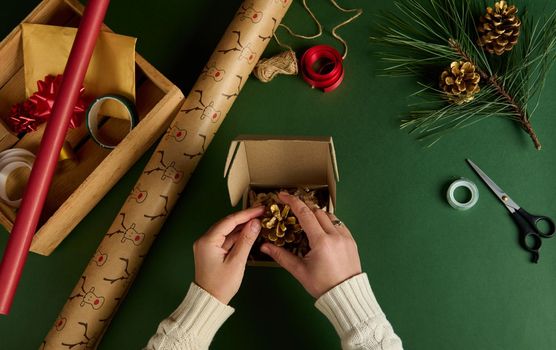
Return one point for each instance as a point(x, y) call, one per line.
point(460, 82)
point(499, 28)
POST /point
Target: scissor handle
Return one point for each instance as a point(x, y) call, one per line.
point(529, 239)
point(546, 231)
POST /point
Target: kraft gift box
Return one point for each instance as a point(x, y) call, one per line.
point(280, 162)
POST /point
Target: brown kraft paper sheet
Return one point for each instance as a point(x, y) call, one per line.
point(106, 279)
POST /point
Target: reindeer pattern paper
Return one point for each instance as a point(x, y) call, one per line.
point(108, 276)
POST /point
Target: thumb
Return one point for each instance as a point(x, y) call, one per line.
point(284, 258)
point(247, 237)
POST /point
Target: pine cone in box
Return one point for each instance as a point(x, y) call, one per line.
point(460, 82)
point(279, 226)
point(499, 28)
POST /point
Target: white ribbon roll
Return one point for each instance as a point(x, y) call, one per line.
point(16, 152)
point(11, 160)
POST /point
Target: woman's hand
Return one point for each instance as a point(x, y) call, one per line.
point(333, 257)
point(221, 253)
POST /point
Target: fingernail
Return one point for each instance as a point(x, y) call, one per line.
point(265, 249)
point(255, 226)
point(284, 194)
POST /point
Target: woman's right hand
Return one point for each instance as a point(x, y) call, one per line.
point(333, 257)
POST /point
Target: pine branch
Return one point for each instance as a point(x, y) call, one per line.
point(493, 80)
point(420, 40)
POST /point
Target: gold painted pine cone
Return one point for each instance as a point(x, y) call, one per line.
point(460, 82)
point(279, 226)
point(499, 28)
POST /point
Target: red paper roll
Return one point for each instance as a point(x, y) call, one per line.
point(40, 179)
point(331, 73)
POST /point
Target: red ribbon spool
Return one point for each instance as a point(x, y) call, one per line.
point(325, 78)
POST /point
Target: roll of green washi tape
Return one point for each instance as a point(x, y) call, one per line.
point(92, 116)
point(462, 182)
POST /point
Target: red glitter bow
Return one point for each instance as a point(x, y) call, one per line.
point(28, 115)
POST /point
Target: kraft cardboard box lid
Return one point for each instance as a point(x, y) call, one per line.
point(280, 161)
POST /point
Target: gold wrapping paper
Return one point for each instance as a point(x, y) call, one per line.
point(106, 279)
point(111, 71)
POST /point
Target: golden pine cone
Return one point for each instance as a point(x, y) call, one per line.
point(460, 82)
point(279, 225)
point(499, 28)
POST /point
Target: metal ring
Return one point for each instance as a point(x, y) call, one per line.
point(337, 222)
point(92, 117)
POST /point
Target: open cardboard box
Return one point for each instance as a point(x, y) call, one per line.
point(276, 162)
point(76, 190)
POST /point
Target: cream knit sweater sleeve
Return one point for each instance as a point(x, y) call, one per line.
point(351, 308)
point(354, 312)
point(193, 324)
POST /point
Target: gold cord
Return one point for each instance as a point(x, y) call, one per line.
point(301, 36)
point(357, 12)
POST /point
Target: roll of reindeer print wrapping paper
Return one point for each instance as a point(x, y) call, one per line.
point(106, 279)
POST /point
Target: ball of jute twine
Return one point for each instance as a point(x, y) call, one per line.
point(283, 63)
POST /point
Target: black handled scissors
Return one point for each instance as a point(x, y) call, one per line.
point(530, 231)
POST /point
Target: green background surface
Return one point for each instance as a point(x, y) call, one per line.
point(445, 279)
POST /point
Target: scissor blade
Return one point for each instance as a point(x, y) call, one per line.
point(504, 198)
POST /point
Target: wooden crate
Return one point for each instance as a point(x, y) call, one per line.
point(78, 188)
